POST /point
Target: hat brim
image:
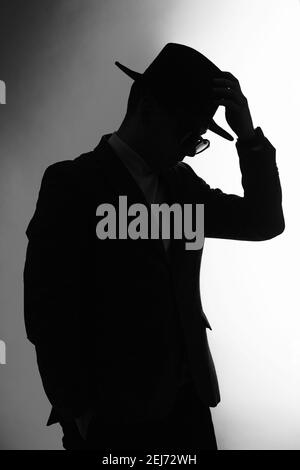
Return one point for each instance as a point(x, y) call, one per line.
point(130, 73)
point(214, 127)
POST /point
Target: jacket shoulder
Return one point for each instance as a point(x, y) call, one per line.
point(189, 176)
point(186, 169)
point(67, 171)
point(59, 174)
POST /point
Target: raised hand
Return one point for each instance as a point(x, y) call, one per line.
point(228, 93)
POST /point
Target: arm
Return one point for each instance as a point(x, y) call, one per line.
point(256, 216)
point(54, 293)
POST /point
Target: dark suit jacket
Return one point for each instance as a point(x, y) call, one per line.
point(111, 319)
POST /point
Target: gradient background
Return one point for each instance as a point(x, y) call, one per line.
point(63, 94)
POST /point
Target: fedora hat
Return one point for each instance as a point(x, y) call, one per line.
point(182, 78)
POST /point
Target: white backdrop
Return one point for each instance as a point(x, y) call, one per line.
point(64, 93)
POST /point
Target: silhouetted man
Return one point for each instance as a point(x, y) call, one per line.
point(117, 321)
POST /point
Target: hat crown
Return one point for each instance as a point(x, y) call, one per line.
point(179, 73)
point(180, 59)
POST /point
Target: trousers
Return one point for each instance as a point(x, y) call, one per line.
point(188, 427)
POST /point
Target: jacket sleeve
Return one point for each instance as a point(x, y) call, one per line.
point(258, 214)
point(54, 293)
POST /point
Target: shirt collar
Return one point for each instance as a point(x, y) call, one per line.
point(132, 160)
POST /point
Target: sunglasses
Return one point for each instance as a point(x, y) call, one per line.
point(199, 143)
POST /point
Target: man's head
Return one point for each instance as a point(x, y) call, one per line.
point(170, 105)
point(163, 133)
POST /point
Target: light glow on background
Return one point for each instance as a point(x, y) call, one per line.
point(63, 93)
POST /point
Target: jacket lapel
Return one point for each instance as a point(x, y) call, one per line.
point(105, 159)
